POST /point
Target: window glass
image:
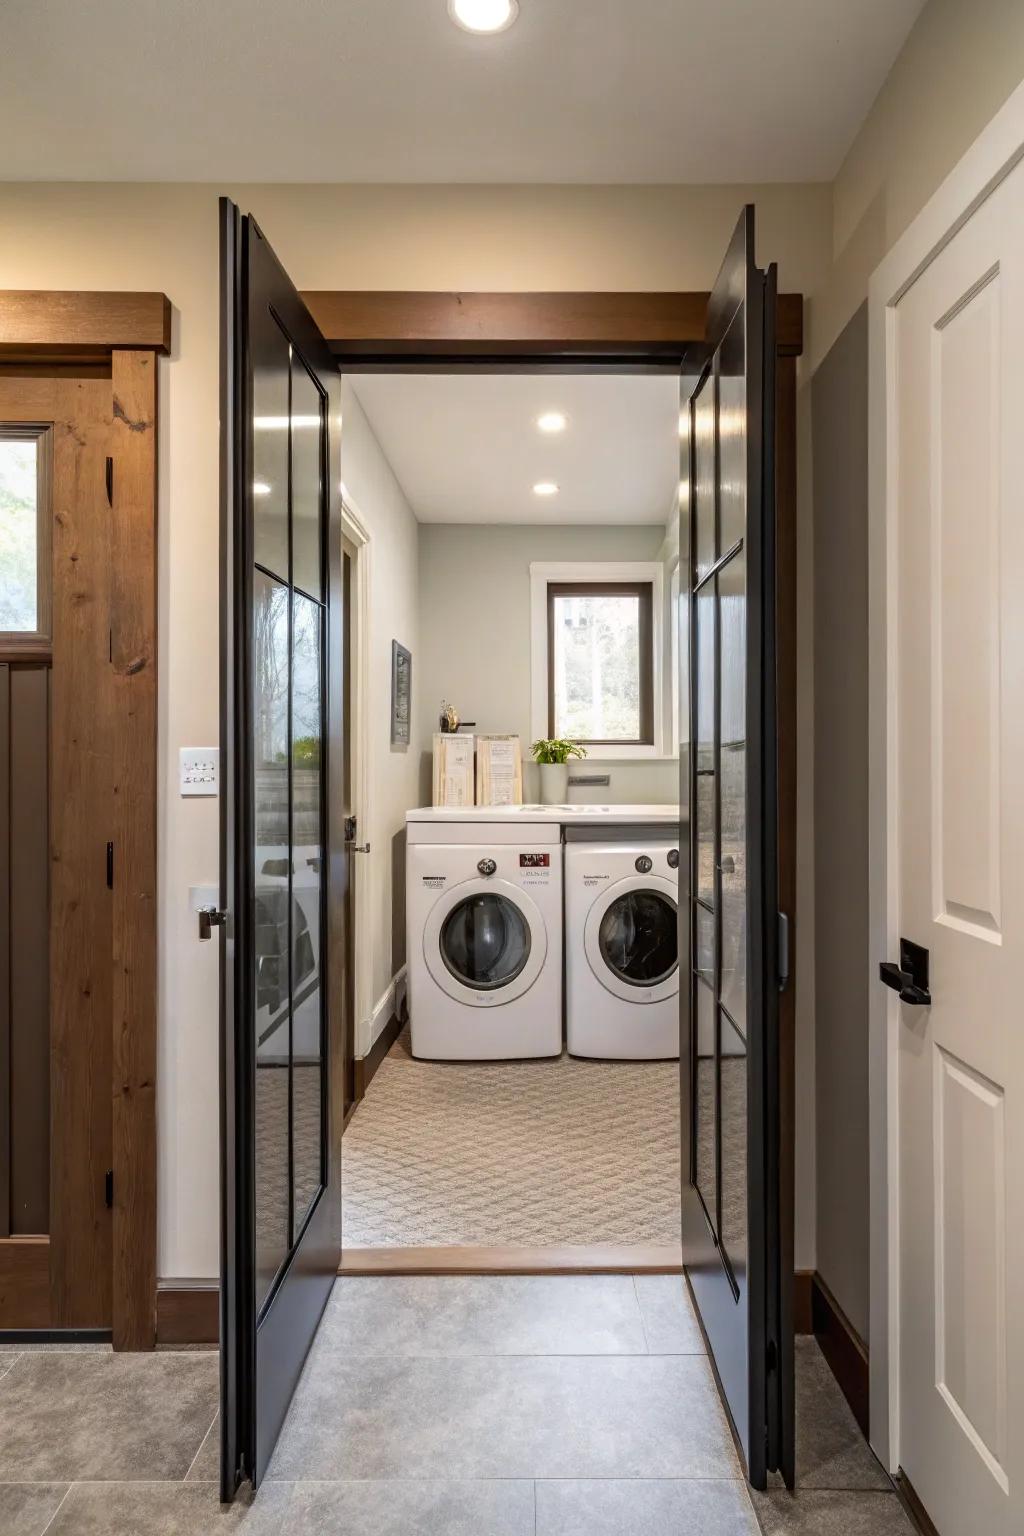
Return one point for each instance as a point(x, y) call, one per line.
point(19, 535)
point(601, 665)
point(485, 941)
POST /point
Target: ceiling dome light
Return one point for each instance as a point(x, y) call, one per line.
point(552, 421)
point(545, 488)
point(483, 15)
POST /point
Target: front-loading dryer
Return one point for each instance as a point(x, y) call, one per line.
point(484, 938)
point(622, 948)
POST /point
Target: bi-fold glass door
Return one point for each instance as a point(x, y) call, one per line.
point(284, 864)
point(731, 1218)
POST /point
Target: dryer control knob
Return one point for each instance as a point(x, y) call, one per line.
point(487, 866)
point(644, 864)
point(673, 858)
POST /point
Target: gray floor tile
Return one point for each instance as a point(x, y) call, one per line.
point(483, 1315)
point(831, 1452)
point(412, 1508)
point(170, 1509)
point(658, 1508)
point(72, 1416)
point(819, 1512)
point(670, 1324)
point(26, 1509)
point(506, 1416)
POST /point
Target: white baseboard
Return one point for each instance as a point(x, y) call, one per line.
point(383, 1009)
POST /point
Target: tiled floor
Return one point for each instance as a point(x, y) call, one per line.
point(491, 1406)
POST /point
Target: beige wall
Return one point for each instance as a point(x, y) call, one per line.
point(474, 601)
point(122, 235)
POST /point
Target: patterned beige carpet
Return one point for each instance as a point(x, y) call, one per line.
point(528, 1154)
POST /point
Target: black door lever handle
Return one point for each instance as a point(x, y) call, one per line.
point(910, 977)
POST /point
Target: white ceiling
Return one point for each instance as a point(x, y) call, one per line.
point(466, 448)
point(389, 90)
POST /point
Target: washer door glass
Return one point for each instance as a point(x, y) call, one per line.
point(485, 941)
point(638, 938)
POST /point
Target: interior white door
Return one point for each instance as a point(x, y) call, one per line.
point(957, 474)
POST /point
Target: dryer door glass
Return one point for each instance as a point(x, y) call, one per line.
point(485, 941)
point(639, 938)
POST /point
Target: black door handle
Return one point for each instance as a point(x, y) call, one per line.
point(910, 977)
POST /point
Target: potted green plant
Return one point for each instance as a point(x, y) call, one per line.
point(552, 757)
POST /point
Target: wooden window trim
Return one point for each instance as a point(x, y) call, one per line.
point(644, 591)
point(35, 644)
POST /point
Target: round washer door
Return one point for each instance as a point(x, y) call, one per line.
point(632, 939)
point(485, 942)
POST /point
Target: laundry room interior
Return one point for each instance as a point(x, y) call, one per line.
point(511, 570)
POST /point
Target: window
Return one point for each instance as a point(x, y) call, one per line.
point(596, 663)
point(601, 662)
point(24, 533)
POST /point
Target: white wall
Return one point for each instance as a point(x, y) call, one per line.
point(475, 637)
point(376, 497)
point(164, 237)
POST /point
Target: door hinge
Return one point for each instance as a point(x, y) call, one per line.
point(783, 951)
point(110, 866)
point(108, 1188)
point(110, 482)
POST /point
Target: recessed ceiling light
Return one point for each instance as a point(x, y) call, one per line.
point(483, 15)
point(545, 488)
point(552, 421)
point(260, 488)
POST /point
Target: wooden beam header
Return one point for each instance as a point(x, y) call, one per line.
point(41, 323)
point(393, 324)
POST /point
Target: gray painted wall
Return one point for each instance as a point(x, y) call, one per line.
point(474, 605)
point(839, 396)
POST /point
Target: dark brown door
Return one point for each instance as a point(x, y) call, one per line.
point(56, 821)
point(283, 862)
point(732, 1228)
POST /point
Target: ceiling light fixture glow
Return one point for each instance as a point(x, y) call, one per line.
point(545, 488)
point(483, 15)
point(552, 421)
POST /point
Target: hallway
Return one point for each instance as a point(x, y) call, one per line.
point(476, 1406)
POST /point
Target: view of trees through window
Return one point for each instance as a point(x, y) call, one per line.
point(18, 535)
point(597, 666)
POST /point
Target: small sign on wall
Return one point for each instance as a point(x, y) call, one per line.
point(401, 694)
point(199, 770)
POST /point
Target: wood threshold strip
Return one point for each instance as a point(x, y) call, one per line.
point(568, 1259)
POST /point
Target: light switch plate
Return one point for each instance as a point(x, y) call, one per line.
point(199, 770)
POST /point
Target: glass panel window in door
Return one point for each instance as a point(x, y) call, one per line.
point(639, 938)
point(705, 1105)
point(485, 941)
point(732, 435)
point(307, 481)
point(271, 353)
point(703, 407)
point(732, 629)
point(307, 906)
point(271, 920)
point(704, 682)
point(19, 533)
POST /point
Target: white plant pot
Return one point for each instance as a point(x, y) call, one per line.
point(554, 783)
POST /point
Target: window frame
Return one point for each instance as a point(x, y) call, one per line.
point(583, 578)
point(41, 433)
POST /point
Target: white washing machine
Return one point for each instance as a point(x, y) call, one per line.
point(622, 948)
point(484, 904)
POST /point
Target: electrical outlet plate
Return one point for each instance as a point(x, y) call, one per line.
point(199, 770)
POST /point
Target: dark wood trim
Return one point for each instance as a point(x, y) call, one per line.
point(37, 325)
point(594, 1259)
point(844, 1350)
point(188, 1314)
point(418, 326)
point(133, 645)
point(912, 1504)
point(365, 1067)
point(803, 1310)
